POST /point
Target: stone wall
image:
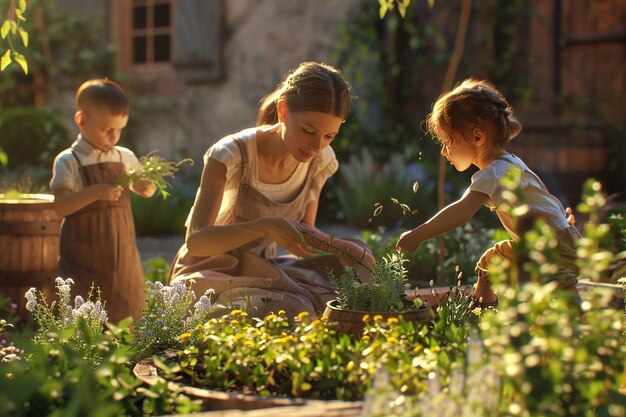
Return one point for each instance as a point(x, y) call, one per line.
point(261, 40)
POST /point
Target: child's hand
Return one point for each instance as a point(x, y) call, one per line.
point(107, 192)
point(144, 188)
point(569, 215)
point(408, 242)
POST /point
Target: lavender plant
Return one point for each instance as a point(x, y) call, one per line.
point(168, 315)
point(60, 321)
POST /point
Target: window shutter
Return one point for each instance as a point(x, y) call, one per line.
point(198, 40)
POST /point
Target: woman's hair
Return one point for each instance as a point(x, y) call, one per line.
point(474, 103)
point(102, 92)
point(310, 87)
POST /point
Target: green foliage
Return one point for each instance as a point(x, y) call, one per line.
point(161, 217)
point(155, 169)
point(598, 256)
point(60, 322)
point(169, 312)
point(71, 367)
point(383, 294)
point(10, 29)
point(463, 246)
point(31, 136)
point(389, 190)
point(156, 270)
point(308, 359)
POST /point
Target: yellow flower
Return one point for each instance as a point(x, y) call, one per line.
point(393, 320)
point(184, 336)
point(303, 315)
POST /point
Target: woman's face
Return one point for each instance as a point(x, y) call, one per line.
point(307, 133)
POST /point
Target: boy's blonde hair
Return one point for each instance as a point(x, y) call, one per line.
point(474, 103)
point(102, 92)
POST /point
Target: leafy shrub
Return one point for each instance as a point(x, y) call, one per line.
point(385, 292)
point(161, 217)
point(72, 367)
point(167, 315)
point(156, 270)
point(373, 194)
point(269, 357)
point(32, 137)
point(463, 247)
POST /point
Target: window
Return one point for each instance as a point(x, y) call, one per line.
point(178, 39)
point(151, 31)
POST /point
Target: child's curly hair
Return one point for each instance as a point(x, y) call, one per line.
point(474, 103)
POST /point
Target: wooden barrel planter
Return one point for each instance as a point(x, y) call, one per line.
point(29, 246)
point(212, 400)
point(351, 321)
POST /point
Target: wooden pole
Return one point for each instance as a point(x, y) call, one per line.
point(453, 66)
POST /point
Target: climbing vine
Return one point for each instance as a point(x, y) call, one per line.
point(11, 30)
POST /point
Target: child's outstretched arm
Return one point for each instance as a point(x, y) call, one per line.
point(448, 218)
point(67, 202)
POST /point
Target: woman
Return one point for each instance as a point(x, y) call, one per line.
point(260, 188)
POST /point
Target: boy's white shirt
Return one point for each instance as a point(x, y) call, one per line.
point(536, 196)
point(66, 173)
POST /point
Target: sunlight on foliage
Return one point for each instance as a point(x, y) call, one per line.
point(9, 30)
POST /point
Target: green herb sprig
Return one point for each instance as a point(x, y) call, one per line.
point(155, 169)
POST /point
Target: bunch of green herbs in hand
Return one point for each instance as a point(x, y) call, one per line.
point(155, 169)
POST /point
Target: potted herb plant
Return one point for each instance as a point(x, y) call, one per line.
point(384, 295)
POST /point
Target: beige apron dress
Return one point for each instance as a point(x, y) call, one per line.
point(98, 245)
point(252, 278)
point(567, 273)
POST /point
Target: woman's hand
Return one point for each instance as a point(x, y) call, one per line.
point(287, 234)
point(349, 252)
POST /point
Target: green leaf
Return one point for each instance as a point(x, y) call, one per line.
point(384, 7)
point(24, 36)
point(19, 58)
point(6, 60)
point(4, 159)
point(4, 30)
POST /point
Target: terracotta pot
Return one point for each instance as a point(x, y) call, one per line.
point(29, 242)
point(147, 372)
point(351, 321)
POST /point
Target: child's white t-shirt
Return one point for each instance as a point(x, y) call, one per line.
point(66, 171)
point(534, 192)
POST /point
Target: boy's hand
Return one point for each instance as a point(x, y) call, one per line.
point(144, 188)
point(107, 192)
point(408, 242)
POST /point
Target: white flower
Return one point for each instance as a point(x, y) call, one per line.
point(78, 302)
